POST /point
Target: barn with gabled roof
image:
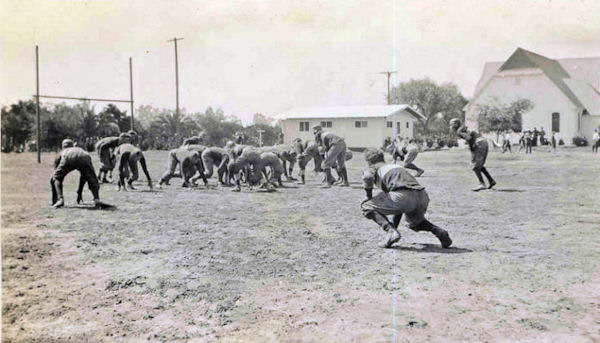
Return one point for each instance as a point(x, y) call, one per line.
point(565, 92)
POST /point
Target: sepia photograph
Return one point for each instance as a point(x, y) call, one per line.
point(300, 171)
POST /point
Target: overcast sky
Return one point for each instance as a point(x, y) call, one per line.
point(268, 56)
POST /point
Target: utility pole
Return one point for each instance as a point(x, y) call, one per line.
point(260, 132)
point(388, 73)
point(37, 102)
point(174, 40)
point(131, 93)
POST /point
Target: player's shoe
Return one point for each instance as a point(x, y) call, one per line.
point(393, 237)
point(60, 203)
point(444, 238)
point(492, 184)
point(481, 187)
point(420, 172)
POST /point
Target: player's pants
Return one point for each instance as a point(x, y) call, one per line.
point(410, 202)
point(172, 166)
point(86, 170)
point(479, 155)
point(106, 162)
point(408, 160)
point(336, 153)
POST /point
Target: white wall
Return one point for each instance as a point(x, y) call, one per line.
point(590, 123)
point(371, 136)
point(537, 87)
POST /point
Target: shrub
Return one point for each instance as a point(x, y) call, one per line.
point(561, 142)
point(580, 141)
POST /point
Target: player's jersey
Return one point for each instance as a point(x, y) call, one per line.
point(107, 142)
point(193, 140)
point(134, 152)
point(72, 155)
point(196, 147)
point(470, 136)
point(269, 159)
point(127, 147)
point(389, 177)
point(215, 153)
point(328, 139)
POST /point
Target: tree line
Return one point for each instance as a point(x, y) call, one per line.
point(159, 129)
point(164, 129)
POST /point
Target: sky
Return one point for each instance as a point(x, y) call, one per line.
point(249, 56)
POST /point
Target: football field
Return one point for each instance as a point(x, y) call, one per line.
point(302, 263)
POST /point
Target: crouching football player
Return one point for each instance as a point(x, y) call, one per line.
point(128, 156)
point(74, 158)
point(400, 194)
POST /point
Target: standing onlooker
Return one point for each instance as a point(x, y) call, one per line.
point(595, 141)
point(522, 141)
point(553, 142)
point(528, 141)
point(506, 142)
point(534, 136)
point(543, 136)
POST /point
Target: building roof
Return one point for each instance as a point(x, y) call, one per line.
point(364, 111)
point(562, 73)
point(589, 97)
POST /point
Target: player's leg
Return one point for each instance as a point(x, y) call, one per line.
point(208, 165)
point(123, 171)
point(172, 166)
point(341, 163)
point(60, 172)
point(329, 163)
point(377, 209)
point(223, 173)
point(133, 168)
point(416, 218)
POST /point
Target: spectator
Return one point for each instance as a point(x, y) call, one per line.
point(542, 136)
point(595, 141)
point(506, 143)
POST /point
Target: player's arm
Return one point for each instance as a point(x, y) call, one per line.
point(82, 181)
point(368, 182)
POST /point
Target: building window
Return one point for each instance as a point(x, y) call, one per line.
point(517, 80)
point(408, 125)
point(556, 122)
point(325, 124)
point(360, 123)
point(398, 127)
point(389, 124)
point(304, 126)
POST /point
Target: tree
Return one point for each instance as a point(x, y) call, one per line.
point(17, 124)
point(496, 116)
point(112, 114)
point(438, 103)
point(261, 119)
point(270, 134)
point(217, 127)
point(146, 114)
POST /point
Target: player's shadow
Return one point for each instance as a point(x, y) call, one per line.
point(433, 248)
point(91, 207)
point(508, 190)
point(148, 190)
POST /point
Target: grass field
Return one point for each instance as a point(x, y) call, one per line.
point(301, 264)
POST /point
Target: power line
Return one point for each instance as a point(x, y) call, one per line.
point(388, 73)
point(174, 40)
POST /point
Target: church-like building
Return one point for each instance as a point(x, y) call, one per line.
point(565, 92)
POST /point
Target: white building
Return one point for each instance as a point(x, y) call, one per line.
point(360, 126)
point(565, 92)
